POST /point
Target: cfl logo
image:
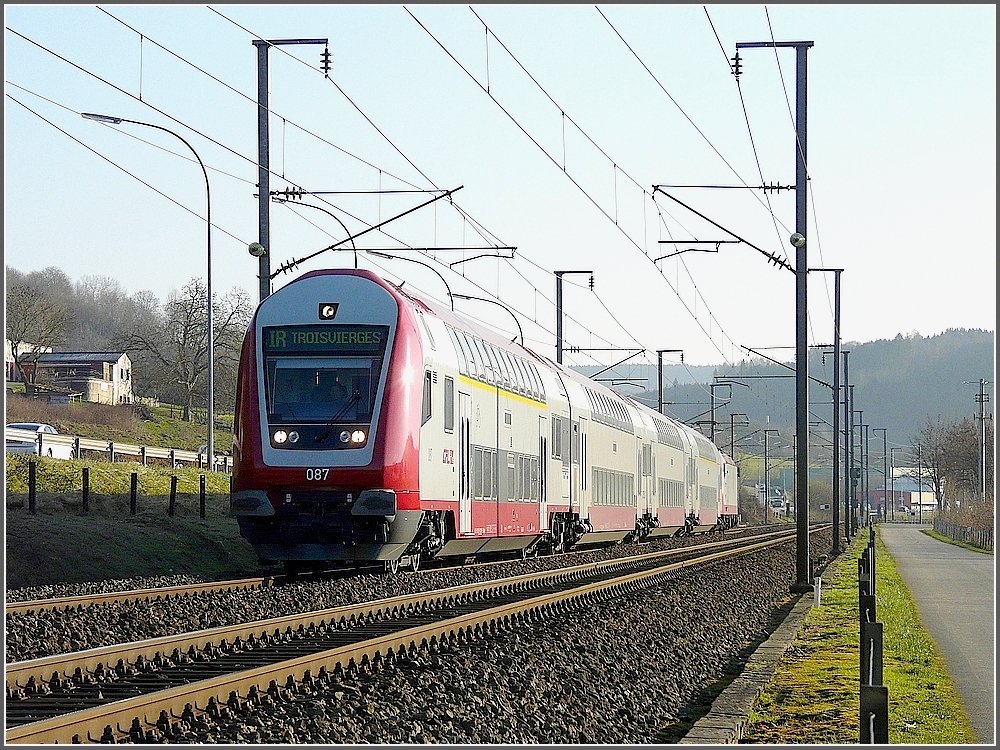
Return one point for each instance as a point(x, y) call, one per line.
point(328, 310)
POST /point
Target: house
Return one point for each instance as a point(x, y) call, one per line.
point(10, 371)
point(100, 377)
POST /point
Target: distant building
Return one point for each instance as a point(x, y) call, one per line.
point(10, 371)
point(99, 377)
point(906, 496)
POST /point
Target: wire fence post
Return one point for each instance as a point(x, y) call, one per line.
point(32, 509)
point(173, 496)
point(86, 489)
point(201, 495)
point(133, 492)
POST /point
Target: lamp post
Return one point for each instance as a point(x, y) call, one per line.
point(111, 120)
point(885, 466)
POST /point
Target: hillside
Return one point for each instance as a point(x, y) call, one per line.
point(898, 383)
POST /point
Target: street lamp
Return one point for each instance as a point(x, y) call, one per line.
point(111, 120)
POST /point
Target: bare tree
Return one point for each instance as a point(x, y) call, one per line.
point(34, 324)
point(176, 339)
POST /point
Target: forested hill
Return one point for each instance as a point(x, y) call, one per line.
point(898, 383)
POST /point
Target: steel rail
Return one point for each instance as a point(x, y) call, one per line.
point(93, 723)
point(167, 592)
point(111, 597)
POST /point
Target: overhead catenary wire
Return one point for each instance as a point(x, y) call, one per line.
point(119, 167)
point(556, 163)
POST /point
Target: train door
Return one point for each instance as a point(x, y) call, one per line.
point(584, 463)
point(543, 472)
point(465, 463)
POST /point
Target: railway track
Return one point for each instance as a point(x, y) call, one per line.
point(129, 690)
point(167, 593)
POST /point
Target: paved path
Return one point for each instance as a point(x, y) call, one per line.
point(954, 591)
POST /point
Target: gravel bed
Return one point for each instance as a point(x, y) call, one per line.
point(59, 590)
point(621, 672)
point(35, 634)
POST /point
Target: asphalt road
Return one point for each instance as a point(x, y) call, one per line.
point(954, 591)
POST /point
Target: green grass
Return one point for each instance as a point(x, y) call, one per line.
point(162, 429)
point(942, 538)
point(62, 476)
point(814, 696)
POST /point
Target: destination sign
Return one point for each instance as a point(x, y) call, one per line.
point(343, 339)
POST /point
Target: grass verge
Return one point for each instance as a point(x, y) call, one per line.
point(942, 538)
point(813, 698)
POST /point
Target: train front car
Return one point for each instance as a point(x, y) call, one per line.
point(326, 431)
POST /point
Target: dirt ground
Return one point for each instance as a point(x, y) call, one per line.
point(61, 543)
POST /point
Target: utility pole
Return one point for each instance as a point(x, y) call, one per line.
point(559, 309)
point(856, 472)
point(849, 449)
point(836, 405)
point(982, 398)
point(920, 488)
point(263, 252)
point(867, 487)
point(659, 374)
point(732, 431)
point(885, 466)
point(767, 488)
point(798, 240)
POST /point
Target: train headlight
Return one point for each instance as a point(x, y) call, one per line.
point(293, 437)
point(345, 437)
point(280, 436)
point(358, 436)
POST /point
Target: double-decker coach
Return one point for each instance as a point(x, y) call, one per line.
point(372, 425)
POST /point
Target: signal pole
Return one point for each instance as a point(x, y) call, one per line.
point(798, 240)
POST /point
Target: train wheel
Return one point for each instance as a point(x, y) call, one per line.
point(392, 566)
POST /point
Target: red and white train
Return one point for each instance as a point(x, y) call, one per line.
point(372, 425)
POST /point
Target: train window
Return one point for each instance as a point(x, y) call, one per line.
point(313, 389)
point(449, 404)
point(522, 376)
point(488, 486)
point(426, 410)
point(556, 437)
point(485, 369)
point(539, 386)
point(506, 368)
point(477, 357)
point(464, 366)
point(477, 472)
point(427, 330)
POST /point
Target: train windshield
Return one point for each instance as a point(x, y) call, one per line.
point(325, 374)
point(311, 389)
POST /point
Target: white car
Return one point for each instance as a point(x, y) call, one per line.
point(25, 444)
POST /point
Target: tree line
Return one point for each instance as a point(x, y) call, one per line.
point(167, 341)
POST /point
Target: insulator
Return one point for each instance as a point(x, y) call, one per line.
point(324, 61)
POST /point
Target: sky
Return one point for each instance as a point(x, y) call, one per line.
point(554, 123)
